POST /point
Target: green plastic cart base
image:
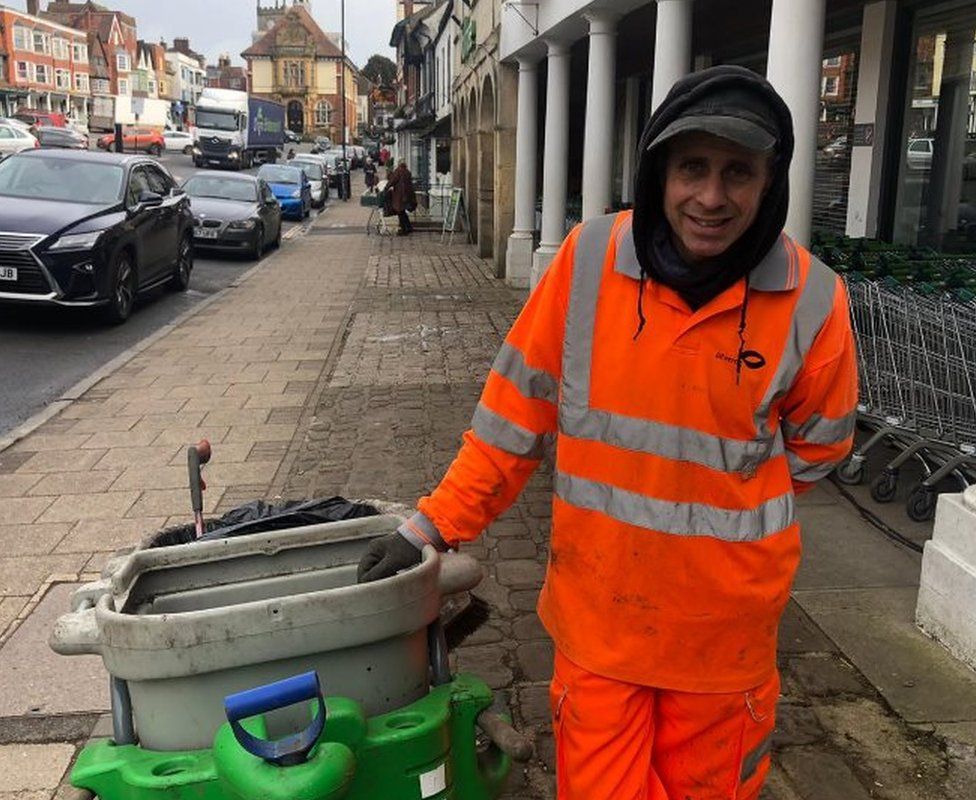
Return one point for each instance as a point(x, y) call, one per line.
point(425, 751)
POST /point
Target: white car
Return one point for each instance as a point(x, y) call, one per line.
point(920, 153)
point(317, 177)
point(178, 142)
point(14, 139)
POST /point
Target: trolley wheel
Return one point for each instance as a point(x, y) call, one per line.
point(850, 473)
point(921, 503)
point(883, 487)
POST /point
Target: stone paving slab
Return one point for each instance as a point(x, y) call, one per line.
point(869, 559)
point(876, 630)
point(33, 770)
point(38, 681)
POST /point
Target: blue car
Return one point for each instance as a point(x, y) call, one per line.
point(291, 188)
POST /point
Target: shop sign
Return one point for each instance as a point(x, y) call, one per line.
point(468, 42)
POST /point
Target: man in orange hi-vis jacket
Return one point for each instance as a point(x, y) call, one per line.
point(695, 369)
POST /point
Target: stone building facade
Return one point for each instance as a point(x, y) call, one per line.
point(294, 62)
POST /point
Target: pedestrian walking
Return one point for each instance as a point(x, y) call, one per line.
point(694, 367)
point(403, 199)
point(369, 174)
point(384, 156)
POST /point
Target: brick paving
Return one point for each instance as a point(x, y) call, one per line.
point(350, 364)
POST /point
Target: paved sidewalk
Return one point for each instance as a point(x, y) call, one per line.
point(351, 365)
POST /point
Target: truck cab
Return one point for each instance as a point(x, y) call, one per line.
point(236, 130)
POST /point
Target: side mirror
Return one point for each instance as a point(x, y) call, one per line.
point(177, 191)
point(150, 200)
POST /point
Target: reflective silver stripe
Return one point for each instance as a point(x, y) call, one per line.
point(809, 472)
point(812, 309)
point(578, 420)
point(506, 435)
point(421, 522)
point(682, 519)
point(753, 758)
point(822, 430)
point(625, 261)
point(531, 382)
point(667, 441)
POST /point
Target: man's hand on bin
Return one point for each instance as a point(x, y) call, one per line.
point(386, 556)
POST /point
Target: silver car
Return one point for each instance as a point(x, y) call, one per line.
point(315, 171)
point(14, 139)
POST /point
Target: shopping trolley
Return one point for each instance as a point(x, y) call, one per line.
point(916, 353)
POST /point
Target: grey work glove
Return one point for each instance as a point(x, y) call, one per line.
point(386, 556)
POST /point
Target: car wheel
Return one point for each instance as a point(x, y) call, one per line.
point(123, 290)
point(155, 150)
point(184, 266)
point(257, 248)
point(188, 150)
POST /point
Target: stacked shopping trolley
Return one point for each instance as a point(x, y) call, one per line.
point(914, 317)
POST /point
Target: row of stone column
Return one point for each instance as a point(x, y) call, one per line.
point(794, 66)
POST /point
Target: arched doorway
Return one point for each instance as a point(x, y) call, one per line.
point(486, 172)
point(296, 116)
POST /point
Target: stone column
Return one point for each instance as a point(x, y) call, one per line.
point(555, 158)
point(672, 46)
point(794, 68)
point(600, 118)
point(873, 86)
point(629, 141)
point(518, 259)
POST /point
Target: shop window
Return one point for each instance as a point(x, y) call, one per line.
point(835, 132)
point(936, 200)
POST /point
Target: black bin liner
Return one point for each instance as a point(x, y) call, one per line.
point(261, 517)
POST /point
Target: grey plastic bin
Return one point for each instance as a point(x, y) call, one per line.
point(185, 626)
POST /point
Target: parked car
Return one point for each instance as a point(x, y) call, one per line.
point(920, 153)
point(136, 140)
point(35, 118)
point(64, 138)
point(237, 213)
point(178, 142)
point(322, 161)
point(16, 123)
point(290, 186)
point(15, 139)
point(291, 137)
point(321, 144)
point(318, 180)
point(90, 230)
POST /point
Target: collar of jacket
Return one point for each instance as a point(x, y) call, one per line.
point(779, 271)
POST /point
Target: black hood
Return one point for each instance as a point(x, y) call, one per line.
point(700, 283)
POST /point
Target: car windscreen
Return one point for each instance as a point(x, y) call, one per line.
point(221, 188)
point(217, 120)
point(275, 174)
point(314, 171)
point(61, 179)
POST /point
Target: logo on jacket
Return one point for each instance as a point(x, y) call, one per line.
point(752, 359)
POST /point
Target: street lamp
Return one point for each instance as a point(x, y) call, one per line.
point(347, 179)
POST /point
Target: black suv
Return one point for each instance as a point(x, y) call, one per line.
point(90, 229)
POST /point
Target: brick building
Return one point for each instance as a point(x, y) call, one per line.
point(112, 42)
point(226, 76)
point(46, 66)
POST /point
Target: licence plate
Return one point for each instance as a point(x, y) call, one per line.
point(206, 233)
point(8, 273)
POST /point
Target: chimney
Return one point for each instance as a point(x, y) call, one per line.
point(34, 7)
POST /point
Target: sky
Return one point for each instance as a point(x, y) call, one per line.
point(218, 26)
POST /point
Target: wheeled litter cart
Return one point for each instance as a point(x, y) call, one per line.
point(221, 652)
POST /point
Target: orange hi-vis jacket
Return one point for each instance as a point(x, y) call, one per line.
point(674, 533)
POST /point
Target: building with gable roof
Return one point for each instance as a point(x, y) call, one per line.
point(112, 53)
point(294, 62)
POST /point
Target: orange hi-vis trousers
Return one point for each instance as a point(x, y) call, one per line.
point(623, 741)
